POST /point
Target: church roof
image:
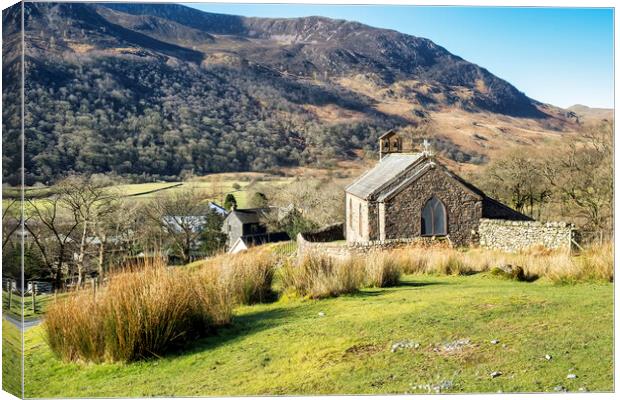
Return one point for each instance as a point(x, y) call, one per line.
point(390, 167)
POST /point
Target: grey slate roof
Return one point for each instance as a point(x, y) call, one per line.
point(390, 167)
point(249, 216)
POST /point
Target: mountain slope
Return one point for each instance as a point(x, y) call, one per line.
point(160, 91)
point(317, 46)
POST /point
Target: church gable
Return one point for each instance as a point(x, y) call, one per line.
point(404, 210)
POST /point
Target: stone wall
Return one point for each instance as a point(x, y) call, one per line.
point(329, 233)
point(342, 250)
point(518, 235)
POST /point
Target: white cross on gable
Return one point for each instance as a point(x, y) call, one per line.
point(427, 147)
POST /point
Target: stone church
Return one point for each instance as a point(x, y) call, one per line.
point(411, 194)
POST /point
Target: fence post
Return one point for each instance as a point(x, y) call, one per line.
point(8, 287)
point(34, 299)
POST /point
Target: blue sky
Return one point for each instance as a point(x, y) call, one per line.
point(561, 56)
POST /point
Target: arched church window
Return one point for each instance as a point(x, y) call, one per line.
point(434, 218)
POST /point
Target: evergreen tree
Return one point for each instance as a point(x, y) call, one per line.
point(230, 202)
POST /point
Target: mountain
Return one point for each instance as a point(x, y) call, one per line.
point(586, 113)
point(156, 91)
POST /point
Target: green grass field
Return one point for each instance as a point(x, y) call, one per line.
point(212, 188)
point(286, 347)
point(41, 301)
point(11, 359)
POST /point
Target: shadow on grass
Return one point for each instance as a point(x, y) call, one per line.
point(374, 292)
point(241, 325)
point(420, 284)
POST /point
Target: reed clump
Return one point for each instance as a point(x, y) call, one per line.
point(593, 263)
point(139, 314)
point(317, 276)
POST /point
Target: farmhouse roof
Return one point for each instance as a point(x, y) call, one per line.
point(218, 208)
point(249, 215)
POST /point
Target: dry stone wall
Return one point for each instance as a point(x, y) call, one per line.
point(519, 235)
point(342, 250)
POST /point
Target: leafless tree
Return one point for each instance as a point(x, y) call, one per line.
point(581, 173)
point(90, 199)
point(516, 178)
point(51, 230)
point(176, 216)
point(10, 222)
point(318, 200)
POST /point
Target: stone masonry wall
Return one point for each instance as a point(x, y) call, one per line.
point(342, 250)
point(403, 213)
point(519, 235)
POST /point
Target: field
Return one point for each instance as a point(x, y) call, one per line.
point(343, 345)
point(213, 187)
point(11, 358)
point(41, 301)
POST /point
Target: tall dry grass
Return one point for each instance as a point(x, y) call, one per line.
point(594, 263)
point(381, 270)
point(139, 314)
point(318, 276)
point(248, 275)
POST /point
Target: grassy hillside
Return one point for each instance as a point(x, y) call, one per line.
point(212, 187)
point(287, 347)
point(11, 359)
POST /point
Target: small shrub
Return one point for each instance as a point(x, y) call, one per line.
point(509, 272)
point(248, 276)
point(412, 261)
point(597, 262)
point(73, 328)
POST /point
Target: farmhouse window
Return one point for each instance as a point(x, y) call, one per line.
point(434, 218)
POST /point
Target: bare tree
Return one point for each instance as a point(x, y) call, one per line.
point(516, 178)
point(51, 231)
point(581, 173)
point(10, 222)
point(90, 199)
point(116, 233)
point(179, 217)
point(318, 200)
